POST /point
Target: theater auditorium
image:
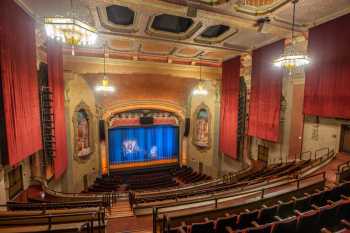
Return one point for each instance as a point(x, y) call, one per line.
point(175, 116)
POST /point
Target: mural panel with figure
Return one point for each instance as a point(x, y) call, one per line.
point(201, 132)
point(82, 122)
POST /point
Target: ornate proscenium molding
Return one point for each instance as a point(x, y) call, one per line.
point(83, 123)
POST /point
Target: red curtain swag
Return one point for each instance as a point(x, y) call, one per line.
point(229, 107)
point(327, 81)
point(19, 82)
point(56, 84)
point(266, 91)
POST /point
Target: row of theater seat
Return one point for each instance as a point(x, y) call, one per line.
point(187, 175)
point(58, 220)
point(252, 179)
point(326, 210)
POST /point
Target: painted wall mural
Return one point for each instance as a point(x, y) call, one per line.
point(201, 130)
point(82, 122)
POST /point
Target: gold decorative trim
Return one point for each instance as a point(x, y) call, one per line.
point(83, 106)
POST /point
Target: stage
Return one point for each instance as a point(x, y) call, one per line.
point(144, 164)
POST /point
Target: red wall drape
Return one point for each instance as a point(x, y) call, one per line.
point(266, 90)
point(19, 82)
point(56, 84)
point(327, 83)
point(229, 107)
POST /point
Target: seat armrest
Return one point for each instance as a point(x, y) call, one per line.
point(183, 224)
point(280, 202)
point(227, 215)
point(345, 223)
point(181, 230)
point(325, 230)
point(294, 198)
point(307, 194)
point(229, 230)
point(344, 197)
point(315, 207)
point(206, 219)
point(255, 224)
point(297, 212)
point(247, 210)
point(278, 218)
point(264, 206)
point(330, 202)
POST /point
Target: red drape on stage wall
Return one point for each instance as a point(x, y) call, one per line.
point(229, 107)
point(56, 84)
point(327, 84)
point(266, 90)
point(19, 82)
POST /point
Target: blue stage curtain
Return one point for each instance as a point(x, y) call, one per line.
point(136, 144)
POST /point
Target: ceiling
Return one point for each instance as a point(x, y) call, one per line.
point(189, 32)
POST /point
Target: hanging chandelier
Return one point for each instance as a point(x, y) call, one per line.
point(200, 89)
point(70, 30)
point(292, 59)
point(104, 87)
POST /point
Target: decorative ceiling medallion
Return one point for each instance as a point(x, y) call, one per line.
point(215, 34)
point(259, 7)
point(118, 18)
point(172, 26)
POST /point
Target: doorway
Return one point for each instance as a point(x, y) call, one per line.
point(345, 139)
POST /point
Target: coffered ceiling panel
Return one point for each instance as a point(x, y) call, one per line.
point(179, 31)
point(157, 48)
point(122, 44)
point(187, 52)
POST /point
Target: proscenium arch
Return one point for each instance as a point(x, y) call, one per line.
point(177, 110)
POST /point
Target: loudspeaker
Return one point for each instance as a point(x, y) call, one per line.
point(146, 120)
point(101, 125)
point(187, 127)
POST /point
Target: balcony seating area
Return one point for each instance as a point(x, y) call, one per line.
point(325, 210)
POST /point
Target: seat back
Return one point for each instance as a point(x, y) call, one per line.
point(345, 189)
point(287, 226)
point(286, 209)
point(328, 216)
point(205, 227)
point(267, 214)
point(309, 222)
point(335, 194)
point(317, 199)
point(223, 222)
point(302, 204)
point(245, 219)
point(262, 229)
point(344, 211)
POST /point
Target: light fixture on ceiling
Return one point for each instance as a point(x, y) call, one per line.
point(70, 30)
point(292, 59)
point(104, 87)
point(200, 89)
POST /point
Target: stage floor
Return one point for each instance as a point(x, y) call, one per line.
point(142, 164)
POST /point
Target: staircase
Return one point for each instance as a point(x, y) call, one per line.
point(120, 209)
